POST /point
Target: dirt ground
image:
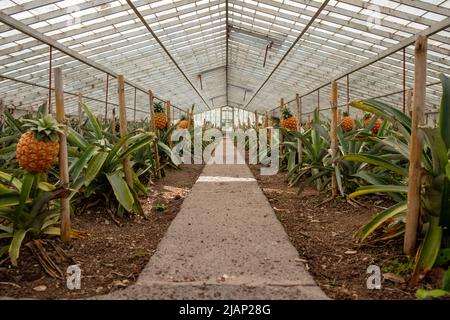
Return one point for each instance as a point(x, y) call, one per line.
point(323, 235)
point(112, 256)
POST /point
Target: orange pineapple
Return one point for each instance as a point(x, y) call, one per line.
point(160, 116)
point(39, 146)
point(288, 121)
point(183, 124)
point(376, 126)
point(347, 122)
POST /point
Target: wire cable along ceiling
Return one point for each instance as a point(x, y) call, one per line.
point(239, 53)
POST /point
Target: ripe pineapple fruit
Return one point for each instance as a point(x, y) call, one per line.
point(160, 116)
point(288, 121)
point(347, 122)
point(39, 146)
point(376, 127)
point(183, 124)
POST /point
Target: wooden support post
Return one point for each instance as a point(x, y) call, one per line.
point(409, 96)
point(151, 99)
point(63, 157)
point(415, 169)
point(334, 138)
point(298, 101)
point(113, 121)
point(2, 110)
point(123, 126)
point(281, 121)
point(256, 119)
point(191, 117)
point(266, 119)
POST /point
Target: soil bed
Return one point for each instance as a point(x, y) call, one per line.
point(111, 257)
point(323, 234)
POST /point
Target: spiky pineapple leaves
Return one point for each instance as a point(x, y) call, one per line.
point(99, 167)
point(45, 128)
point(121, 190)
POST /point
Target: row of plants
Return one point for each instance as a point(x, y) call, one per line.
point(30, 185)
point(374, 159)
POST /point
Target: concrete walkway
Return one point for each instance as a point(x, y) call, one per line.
point(225, 243)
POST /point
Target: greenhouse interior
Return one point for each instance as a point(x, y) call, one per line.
point(225, 150)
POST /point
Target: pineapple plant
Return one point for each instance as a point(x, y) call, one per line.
point(160, 116)
point(376, 126)
point(347, 122)
point(38, 147)
point(289, 121)
point(183, 124)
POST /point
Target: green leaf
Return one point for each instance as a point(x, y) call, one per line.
point(79, 165)
point(94, 166)
point(438, 149)
point(429, 249)
point(164, 148)
point(379, 188)
point(427, 294)
point(444, 114)
point(16, 183)
point(8, 200)
point(28, 181)
point(394, 143)
point(45, 186)
point(377, 161)
point(121, 190)
point(8, 150)
point(39, 202)
point(382, 217)
point(339, 180)
point(443, 257)
point(135, 146)
point(446, 280)
point(52, 231)
point(98, 132)
point(14, 123)
point(138, 185)
point(16, 243)
point(76, 139)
